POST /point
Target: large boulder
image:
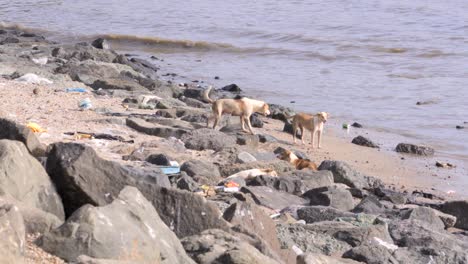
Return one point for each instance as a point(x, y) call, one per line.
point(155, 129)
point(216, 246)
point(458, 209)
point(82, 177)
point(12, 233)
point(280, 112)
point(427, 216)
point(273, 199)
point(255, 221)
point(414, 149)
point(205, 138)
point(202, 171)
point(127, 229)
point(371, 254)
point(343, 173)
point(333, 196)
point(312, 214)
point(313, 179)
point(310, 241)
point(420, 244)
point(100, 43)
point(11, 130)
point(369, 205)
point(24, 179)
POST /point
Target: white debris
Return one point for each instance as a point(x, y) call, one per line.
point(389, 246)
point(33, 78)
point(41, 60)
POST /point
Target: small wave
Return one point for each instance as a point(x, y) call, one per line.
point(389, 50)
point(162, 42)
point(19, 27)
point(406, 76)
point(434, 54)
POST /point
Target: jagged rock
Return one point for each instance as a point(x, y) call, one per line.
point(330, 196)
point(82, 177)
point(12, 131)
point(245, 157)
point(459, 209)
point(256, 121)
point(369, 205)
point(310, 241)
point(420, 244)
point(264, 138)
point(24, 179)
point(233, 88)
point(371, 254)
point(286, 184)
point(343, 173)
point(312, 214)
point(392, 196)
point(280, 112)
point(187, 183)
point(362, 141)
point(255, 221)
point(12, 233)
point(216, 247)
point(313, 179)
point(272, 199)
point(414, 149)
point(426, 216)
point(83, 259)
point(201, 171)
point(127, 229)
point(205, 138)
point(155, 129)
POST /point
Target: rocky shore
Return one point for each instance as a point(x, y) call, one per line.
point(121, 169)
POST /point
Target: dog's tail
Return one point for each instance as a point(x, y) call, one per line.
point(206, 95)
point(289, 116)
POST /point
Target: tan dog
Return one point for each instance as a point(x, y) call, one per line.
point(250, 174)
point(313, 123)
point(243, 108)
point(296, 161)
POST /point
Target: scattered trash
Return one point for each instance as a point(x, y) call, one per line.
point(33, 78)
point(302, 222)
point(170, 169)
point(273, 216)
point(231, 189)
point(85, 104)
point(76, 90)
point(387, 245)
point(144, 99)
point(231, 184)
point(347, 127)
point(444, 165)
point(35, 128)
point(208, 190)
point(40, 61)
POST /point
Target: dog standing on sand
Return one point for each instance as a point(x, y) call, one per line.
point(313, 123)
point(298, 163)
point(243, 108)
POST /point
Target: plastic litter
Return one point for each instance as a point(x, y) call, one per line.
point(231, 189)
point(297, 250)
point(389, 246)
point(33, 78)
point(231, 184)
point(273, 216)
point(35, 127)
point(85, 104)
point(76, 90)
point(40, 61)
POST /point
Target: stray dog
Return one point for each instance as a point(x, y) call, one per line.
point(250, 174)
point(296, 161)
point(243, 107)
point(313, 123)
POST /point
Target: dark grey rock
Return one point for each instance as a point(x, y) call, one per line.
point(357, 125)
point(155, 129)
point(343, 173)
point(256, 121)
point(128, 229)
point(369, 205)
point(205, 138)
point(187, 183)
point(12, 131)
point(100, 43)
point(280, 112)
point(159, 159)
point(414, 149)
point(263, 138)
point(233, 88)
point(427, 217)
point(312, 214)
point(82, 177)
point(251, 141)
point(273, 199)
point(245, 157)
point(371, 254)
point(362, 141)
point(330, 196)
point(25, 179)
point(458, 209)
point(288, 128)
point(201, 171)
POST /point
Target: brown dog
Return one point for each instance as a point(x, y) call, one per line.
point(313, 123)
point(296, 161)
point(243, 108)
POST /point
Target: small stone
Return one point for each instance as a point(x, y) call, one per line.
point(355, 124)
point(216, 77)
point(460, 127)
point(36, 91)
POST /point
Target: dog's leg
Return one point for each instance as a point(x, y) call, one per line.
point(312, 133)
point(208, 120)
point(249, 125)
point(217, 118)
point(294, 133)
point(302, 135)
point(243, 124)
point(319, 137)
